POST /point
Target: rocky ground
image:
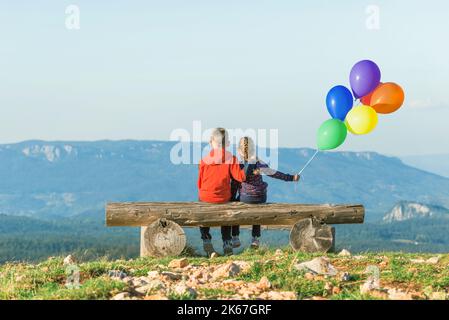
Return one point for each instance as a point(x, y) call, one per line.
point(185, 280)
point(263, 274)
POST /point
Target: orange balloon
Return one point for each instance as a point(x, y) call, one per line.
point(387, 98)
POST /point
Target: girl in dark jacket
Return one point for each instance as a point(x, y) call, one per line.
point(254, 189)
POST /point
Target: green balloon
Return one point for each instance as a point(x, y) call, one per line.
point(331, 134)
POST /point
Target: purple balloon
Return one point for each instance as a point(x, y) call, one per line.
point(364, 78)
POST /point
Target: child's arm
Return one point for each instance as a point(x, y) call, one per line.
point(266, 170)
point(235, 186)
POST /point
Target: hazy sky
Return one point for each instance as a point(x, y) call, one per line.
point(139, 69)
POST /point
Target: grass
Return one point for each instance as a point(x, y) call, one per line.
point(47, 280)
point(215, 293)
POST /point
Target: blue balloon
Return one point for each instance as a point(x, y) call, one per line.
point(339, 101)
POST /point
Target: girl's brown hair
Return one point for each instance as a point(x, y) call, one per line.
point(247, 149)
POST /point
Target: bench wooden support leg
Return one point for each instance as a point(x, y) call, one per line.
point(162, 238)
point(310, 235)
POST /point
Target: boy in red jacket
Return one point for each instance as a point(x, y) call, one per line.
point(214, 183)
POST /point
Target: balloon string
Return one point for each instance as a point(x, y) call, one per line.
point(308, 162)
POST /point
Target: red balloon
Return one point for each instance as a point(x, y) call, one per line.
point(366, 100)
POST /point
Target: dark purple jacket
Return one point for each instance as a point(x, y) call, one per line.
point(254, 189)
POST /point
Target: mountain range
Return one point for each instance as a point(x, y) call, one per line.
point(67, 178)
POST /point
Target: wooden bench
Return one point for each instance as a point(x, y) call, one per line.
point(161, 222)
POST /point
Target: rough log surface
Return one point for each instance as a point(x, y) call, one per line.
point(212, 215)
point(161, 239)
point(309, 235)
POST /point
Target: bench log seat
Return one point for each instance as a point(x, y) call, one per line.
point(162, 222)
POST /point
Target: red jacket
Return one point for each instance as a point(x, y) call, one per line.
point(215, 173)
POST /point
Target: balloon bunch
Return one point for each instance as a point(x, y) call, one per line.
point(374, 96)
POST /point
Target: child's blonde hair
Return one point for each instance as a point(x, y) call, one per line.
point(220, 137)
point(247, 149)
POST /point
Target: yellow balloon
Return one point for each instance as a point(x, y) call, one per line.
point(361, 119)
point(349, 127)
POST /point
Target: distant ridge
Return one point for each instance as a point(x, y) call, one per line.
point(69, 178)
point(408, 210)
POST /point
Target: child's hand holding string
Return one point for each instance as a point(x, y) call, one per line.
point(296, 178)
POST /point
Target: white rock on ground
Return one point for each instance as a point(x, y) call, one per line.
point(137, 282)
point(369, 285)
point(243, 265)
point(344, 253)
point(183, 289)
point(229, 269)
point(69, 260)
point(432, 260)
point(153, 274)
point(278, 252)
point(178, 263)
point(397, 294)
point(121, 296)
point(153, 285)
point(438, 295)
point(318, 265)
point(264, 283)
